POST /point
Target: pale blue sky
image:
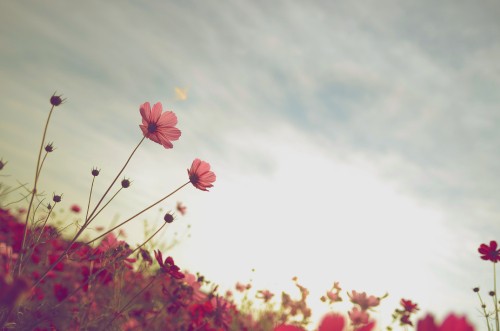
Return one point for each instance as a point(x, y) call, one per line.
point(352, 141)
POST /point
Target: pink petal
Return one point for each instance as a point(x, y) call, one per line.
point(170, 133)
point(156, 113)
point(168, 118)
point(145, 110)
point(332, 322)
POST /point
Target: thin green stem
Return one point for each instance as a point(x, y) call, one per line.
point(90, 196)
point(495, 296)
point(147, 240)
point(107, 203)
point(41, 164)
point(139, 213)
point(484, 311)
point(33, 192)
point(116, 178)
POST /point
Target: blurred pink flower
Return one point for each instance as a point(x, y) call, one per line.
point(409, 306)
point(75, 209)
point(181, 208)
point(358, 317)
point(265, 295)
point(168, 266)
point(451, 323)
point(158, 126)
point(364, 301)
point(200, 175)
point(332, 322)
point(490, 252)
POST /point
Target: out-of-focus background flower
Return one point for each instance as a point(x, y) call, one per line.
point(352, 141)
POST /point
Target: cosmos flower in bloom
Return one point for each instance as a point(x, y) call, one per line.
point(490, 252)
point(200, 175)
point(409, 306)
point(168, 266)
point(364, 301)
point(159, 126)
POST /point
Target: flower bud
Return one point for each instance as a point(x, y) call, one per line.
point(125, 183)
point(95, 172)
point(168, 218)
point(55, 100)
point(49, 148)
point(57, 198)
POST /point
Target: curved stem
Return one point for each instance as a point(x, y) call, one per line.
point(144, 243)
point(495, 296)
point(33, 192)
point(41, 164)
point(90, 196)
point(139, 213)
point(107, 203)
point(116, 178)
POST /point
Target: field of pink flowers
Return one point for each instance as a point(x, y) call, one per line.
point(51, 281)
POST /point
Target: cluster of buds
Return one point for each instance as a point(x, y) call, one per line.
point(404, 315)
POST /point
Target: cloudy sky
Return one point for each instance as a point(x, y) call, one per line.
point(352, 141)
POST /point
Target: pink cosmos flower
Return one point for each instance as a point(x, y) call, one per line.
point(451, 323)
point(332, 322)
point(358, 317)
point(158, 126)
point(265, 295)
point(168, 266)
point(75, 209)
point(409, 306)
point(364, 301)
point(200, 175)
point(490, 252)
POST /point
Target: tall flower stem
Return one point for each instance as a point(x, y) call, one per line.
point(495, 296)
point(139, 213)
point(484, 311)
point(114, 181)
point(130, 301)
point(87, 222)
point(33, 192)
point(90, 197)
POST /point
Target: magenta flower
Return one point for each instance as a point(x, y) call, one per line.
point(451, 323)
point(168, 266)
point(409, 306)
point(200, 175)
point(158, 126)
point(490, 252)
point(332, 322)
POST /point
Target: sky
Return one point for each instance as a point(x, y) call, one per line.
point(352, 141)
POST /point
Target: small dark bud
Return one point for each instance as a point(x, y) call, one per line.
point(476, 289)
point(2, 164)
point(125, 183)
point(95, 172)
point(491, 293)
point(483, 306)
point(168, 218)
point(49, 148)
point(55, 100)
point(146, 256)
point(57, 198)
point(49, 207)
